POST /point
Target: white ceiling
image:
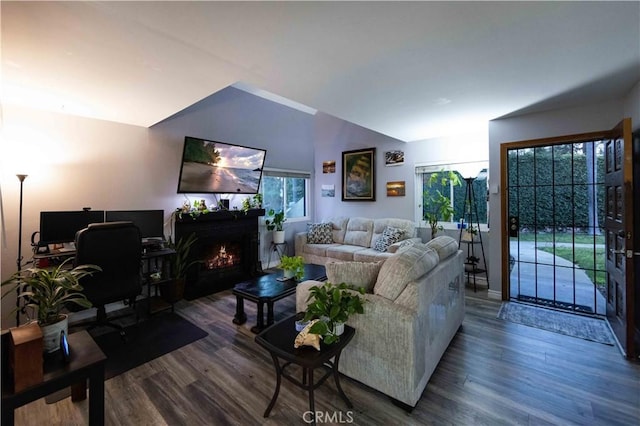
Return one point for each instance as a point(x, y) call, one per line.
point(408, 70)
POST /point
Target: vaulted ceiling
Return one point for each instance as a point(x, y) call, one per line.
point(410, 70)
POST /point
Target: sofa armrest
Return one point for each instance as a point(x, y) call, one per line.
point(302, 293)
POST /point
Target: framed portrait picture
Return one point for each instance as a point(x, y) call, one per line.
point(359, 175)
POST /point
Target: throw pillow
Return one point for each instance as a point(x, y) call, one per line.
point(358, 274)
point(400, 245)
point(389, 236)
point(319, 233)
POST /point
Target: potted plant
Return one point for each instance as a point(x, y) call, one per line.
point(293, 267)
point(275, 224)
point(469, 233)
point(436, 205)
point(333, 304)
point(49, 291)
point(173, 290)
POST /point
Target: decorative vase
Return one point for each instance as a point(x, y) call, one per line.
point(51, 334)
point(289, 273)
point(338, 328)
point(278, 237)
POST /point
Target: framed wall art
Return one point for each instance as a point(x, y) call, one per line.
point(328, 167)
point(359, 175)
point(393, 158)
point(396, 189)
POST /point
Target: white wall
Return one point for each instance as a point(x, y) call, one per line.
point(333, 136)
point(584, 119)
point(72, 163)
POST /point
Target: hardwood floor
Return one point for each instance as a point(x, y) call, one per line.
point(494, 373)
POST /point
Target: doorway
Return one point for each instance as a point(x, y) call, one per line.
point(557, 248)
point(569, 211)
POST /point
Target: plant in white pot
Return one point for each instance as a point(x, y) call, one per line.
point(275, 224)
point(293, 267)
point(333, 304)
point(49, 291)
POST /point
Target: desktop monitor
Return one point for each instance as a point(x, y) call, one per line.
point(150, 222)
point(61, 227)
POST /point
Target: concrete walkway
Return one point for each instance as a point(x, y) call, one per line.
point(551, 269)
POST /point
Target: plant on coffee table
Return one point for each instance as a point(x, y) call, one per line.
point(333, 304)
point(293, 266)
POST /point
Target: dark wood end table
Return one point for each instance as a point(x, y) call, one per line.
point(268, 289)
point(87, 362)
point(278, 340)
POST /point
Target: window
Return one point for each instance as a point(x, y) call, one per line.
point(286, 191)
point(432, 180)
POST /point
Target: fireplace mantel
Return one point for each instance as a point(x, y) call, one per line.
point(212, 228)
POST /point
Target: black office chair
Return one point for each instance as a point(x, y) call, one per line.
point(117, 248)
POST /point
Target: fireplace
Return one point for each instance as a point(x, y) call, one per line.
point(227, 246)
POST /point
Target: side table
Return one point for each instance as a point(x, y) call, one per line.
point(278, 340)
point(280, 249)
point(87, 362)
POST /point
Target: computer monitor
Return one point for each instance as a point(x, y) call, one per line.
point(61, 227)
point(150, 222)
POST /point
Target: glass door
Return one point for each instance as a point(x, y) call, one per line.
point(555, 212)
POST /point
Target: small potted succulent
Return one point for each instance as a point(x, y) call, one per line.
point(333, 304)
point(49, 291)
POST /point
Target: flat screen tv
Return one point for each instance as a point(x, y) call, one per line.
point(150, 222)
point(61, 227)
point(216, 167)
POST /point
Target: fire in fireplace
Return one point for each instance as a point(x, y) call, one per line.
point(223, 255)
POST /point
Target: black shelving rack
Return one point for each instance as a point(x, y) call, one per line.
point(472, 264)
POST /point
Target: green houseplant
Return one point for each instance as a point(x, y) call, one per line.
point(173, 290)
point(48, 291)
point(274, 223)
point(293, 266)
point(333, 304)
point(436, 205)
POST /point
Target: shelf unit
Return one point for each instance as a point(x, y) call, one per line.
point(473, 265)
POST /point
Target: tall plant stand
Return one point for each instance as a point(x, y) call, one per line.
point(472, 264)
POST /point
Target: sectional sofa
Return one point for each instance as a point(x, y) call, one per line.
point(353, 239)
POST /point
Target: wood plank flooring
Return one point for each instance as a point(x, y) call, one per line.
point(494, 373)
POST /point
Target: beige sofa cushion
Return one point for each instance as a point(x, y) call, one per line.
point(379, 226)
point(339, 228)
point(444, 245)
point(342, 252)
point(358, 274)
point(359, 231)
point(401, 268)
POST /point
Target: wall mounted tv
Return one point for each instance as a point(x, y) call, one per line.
point(219, 168)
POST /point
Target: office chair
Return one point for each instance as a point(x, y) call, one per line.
point(117, 248)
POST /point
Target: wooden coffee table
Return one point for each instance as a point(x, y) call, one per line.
point(268, 289)
point(278, 340)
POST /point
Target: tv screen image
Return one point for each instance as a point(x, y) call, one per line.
point(217, 167)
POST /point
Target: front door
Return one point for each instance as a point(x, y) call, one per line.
point(619, 236)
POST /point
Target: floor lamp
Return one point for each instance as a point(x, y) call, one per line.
point(21, 178)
